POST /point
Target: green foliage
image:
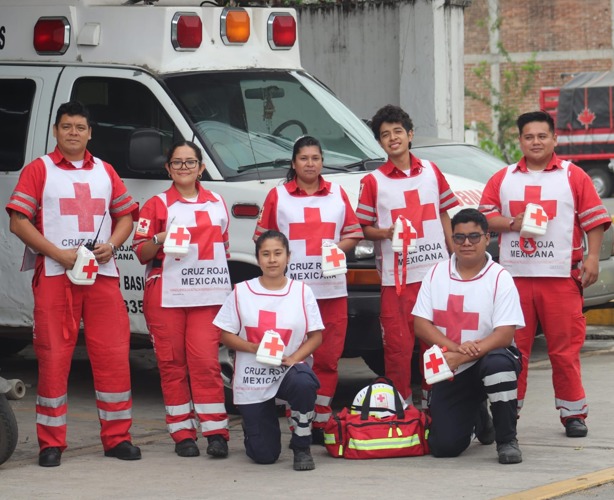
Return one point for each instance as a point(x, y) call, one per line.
point(516, 80)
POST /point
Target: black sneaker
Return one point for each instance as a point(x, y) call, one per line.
point(50, 457)
point(575, 428)
point(317, 436)
point(218, 447)
point(124, 451)
point(303, 459)
point(187, 448)
point(509, 453)
point(484, 428)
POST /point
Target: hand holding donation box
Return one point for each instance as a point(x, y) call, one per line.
point(177, 242)
point(403, 233)
point(271, 349)
point(85, 270)
point(333, 260)
point(436, 367)
point(534, 221)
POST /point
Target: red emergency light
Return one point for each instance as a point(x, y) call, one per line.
point(234, 26)
point(245, 210)
point(186, 31)
point(281, 31)
point(51, 35)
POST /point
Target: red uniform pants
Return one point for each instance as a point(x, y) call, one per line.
point(58, 308)
point(334, 314)
point(186, 344)
point(557, 304)
point(398, 335)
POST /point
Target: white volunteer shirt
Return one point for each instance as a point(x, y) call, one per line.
point(471, 309)
point(252, 309)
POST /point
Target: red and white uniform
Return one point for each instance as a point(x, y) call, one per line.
point(549, 279)
point(182, 296)
point(420, 195)
point(307, 221)
point(468, 310)
point(66, 204)
point(250, 311)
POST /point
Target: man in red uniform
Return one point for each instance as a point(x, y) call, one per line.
point(549, 270)
point(416, 189)
point(59, 203)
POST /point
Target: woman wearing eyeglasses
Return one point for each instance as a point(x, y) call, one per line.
point(182, 297)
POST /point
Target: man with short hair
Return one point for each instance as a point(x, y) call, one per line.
point(417, 190)
point(549, 270)
point(60, 202)
point(470, 306)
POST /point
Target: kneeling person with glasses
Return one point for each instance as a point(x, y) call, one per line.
point(470, 305)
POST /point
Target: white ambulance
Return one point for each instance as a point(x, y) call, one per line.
point(229, 79)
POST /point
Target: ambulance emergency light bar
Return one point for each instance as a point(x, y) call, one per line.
point(52, 34)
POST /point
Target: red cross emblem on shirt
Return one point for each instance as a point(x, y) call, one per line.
point(90, 268)
point(83, 206)
point(313, 231)
point(533, 194)
point(179, 236)
point(205, 234)
point(539, 216)
point(267, 320)
point(454, 319)
point(335, 257)
point(434, 363)
point(274, 346)
point(415, 212)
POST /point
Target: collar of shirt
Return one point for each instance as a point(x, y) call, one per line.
point(389, 169)
point(58, 158)
point(554, 164)
point(294, 189)
point(172, 195)
point(454, 273)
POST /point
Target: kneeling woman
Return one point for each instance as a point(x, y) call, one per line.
point(273, 302)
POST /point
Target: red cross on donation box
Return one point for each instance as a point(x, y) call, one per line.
point(434, 363)
point(415, 212)
point(335, 257)
point(454, 319)
point(91, 268)
point(313, 231)
point(83, 206)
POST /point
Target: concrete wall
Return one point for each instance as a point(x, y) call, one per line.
point(408, 53)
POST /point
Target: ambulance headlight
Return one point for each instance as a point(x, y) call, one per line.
point(364, 250)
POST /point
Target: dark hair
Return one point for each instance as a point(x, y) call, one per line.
point(178, 144)
point(72, 108)
point(470, 215)
point(390, 114)
point(534, 116)
point(300, 143)
point(270, 235)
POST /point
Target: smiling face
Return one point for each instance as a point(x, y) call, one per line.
point(395, 139)
point(273, 258)
point(537, 143)
point(308, 164)
point(72, 134)
point(178, 168)
point(470, 254)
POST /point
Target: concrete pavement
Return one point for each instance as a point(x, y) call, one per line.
point(549, 457)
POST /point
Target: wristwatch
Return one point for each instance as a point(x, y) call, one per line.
point(155, 240)
point(113, 248)
point(512, 223)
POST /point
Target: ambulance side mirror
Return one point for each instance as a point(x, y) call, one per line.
point(145, 151)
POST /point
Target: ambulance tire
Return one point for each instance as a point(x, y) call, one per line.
point(226, 357)
point(8, 430)
point(602, 179)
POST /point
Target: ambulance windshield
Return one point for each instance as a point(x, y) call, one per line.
point(249, 121)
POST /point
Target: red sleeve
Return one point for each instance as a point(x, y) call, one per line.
point(267, 220)
point(447, 198)
point(351, 226)
point(367, 201)
point(152, 220)
point(589, 208)
point(490, 204)
point(121, 202)
point(27, 195)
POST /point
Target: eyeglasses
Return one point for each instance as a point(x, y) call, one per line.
point(474, 238)
point(178, 164)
